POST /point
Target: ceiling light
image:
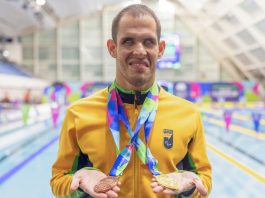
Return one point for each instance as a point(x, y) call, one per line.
point(40, 2)
point(166, 7)
point(5, 53)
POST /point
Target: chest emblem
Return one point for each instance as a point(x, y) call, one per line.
point(168, 138)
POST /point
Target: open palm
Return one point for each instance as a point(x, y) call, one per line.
point(186, 181)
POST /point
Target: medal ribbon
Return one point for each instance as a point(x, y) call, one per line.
point(116, 112)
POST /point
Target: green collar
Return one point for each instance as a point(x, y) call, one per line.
point(130, 91)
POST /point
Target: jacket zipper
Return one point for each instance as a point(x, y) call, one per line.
point(135, 160)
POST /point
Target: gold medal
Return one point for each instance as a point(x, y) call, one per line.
point(167, 182)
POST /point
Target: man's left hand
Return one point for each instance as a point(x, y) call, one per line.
point(186, 180)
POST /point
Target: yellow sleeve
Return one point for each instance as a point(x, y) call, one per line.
point(68, 152)
point(198, 155)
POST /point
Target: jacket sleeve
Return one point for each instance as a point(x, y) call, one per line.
point(68, 152)
point(198, 156)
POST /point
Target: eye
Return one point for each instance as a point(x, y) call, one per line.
point(149, 42)
point(127, 41)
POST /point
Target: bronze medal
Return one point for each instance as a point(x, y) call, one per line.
point(106, 184)
point(167, 182)
point(102, 188)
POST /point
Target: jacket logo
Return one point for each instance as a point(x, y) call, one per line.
point(168, 138)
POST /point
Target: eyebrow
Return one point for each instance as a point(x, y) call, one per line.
point(127, 38)
point(144, 38)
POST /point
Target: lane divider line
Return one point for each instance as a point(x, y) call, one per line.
point(238, 129)
point(237, 148)
point(236, 115)
point(15, 169)
point(237, 163)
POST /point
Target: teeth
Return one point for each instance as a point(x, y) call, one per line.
point(138, 64)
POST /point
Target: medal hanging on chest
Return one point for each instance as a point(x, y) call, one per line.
point(116, 113)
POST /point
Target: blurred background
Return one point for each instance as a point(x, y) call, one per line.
point(53, 52)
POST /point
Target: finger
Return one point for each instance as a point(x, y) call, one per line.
point(116, 189)
point(99, 195)
point(169, 192)
point(154, 179)
point(74, 184)
point(158, 189)
point(201, 189)
point(154, 184)
point(112, 194)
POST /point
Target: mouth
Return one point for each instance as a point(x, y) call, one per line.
point(139, 64)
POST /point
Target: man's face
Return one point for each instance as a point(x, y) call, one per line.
point(136, 51)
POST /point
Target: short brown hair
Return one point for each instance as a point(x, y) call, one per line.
point(134, 10)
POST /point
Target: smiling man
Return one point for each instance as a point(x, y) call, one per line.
point(136, 48)
point(132, 139)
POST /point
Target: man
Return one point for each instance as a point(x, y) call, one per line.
point(133, 130)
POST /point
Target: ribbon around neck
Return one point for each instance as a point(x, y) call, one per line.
point(115, 113)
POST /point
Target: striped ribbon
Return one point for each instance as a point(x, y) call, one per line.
point(116, 112)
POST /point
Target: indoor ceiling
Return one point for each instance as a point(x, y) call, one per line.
point(234, 31)
point(16, 16)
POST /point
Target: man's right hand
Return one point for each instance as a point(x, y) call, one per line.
point(87, 179)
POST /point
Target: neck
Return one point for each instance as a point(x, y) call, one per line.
point(131, 88)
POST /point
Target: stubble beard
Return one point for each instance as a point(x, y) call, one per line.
point(140, 81)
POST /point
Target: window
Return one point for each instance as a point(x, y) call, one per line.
point(261, 26)
point(246, 37)
point(244, 59)
point(231, 43)
point(259, 53)
point(250, 7)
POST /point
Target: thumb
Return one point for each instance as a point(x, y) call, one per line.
point(200, 187)
point(75, 183)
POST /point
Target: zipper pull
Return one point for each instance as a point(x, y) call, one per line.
point(135, 104)
point(136, 98)
point(135, 101)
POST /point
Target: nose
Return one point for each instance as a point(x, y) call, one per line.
point(139, 49)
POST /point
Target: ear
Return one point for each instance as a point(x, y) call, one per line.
point(112, 48)
point(162, 45)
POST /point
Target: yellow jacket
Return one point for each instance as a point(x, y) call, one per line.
point(176, 141)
